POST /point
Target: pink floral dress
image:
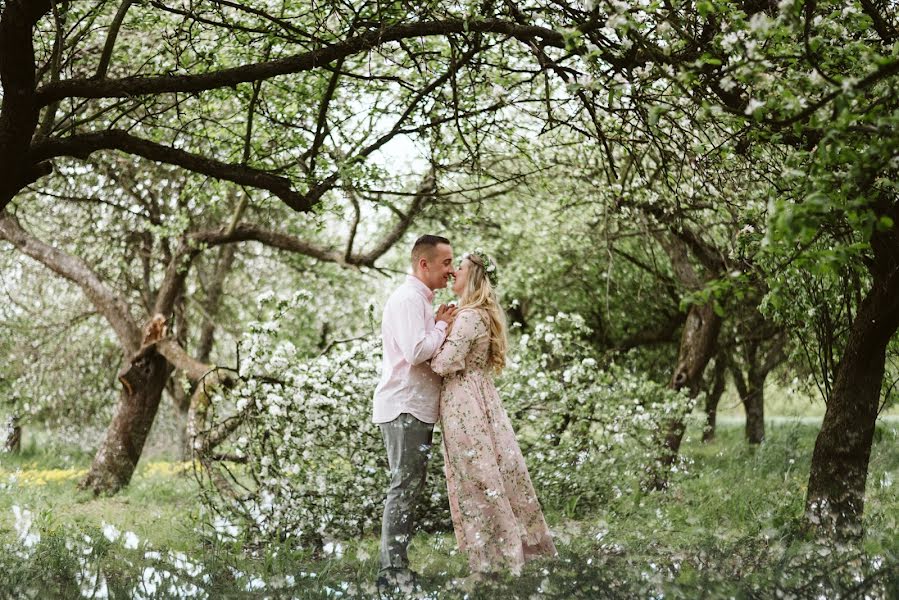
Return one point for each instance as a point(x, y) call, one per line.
point(496, 515)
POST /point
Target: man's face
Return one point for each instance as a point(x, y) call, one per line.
point(440, 267)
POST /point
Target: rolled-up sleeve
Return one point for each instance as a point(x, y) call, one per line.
point(417, 339)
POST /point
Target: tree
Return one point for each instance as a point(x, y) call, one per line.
point(219, 101)
point(808, 91)
point(798, 97)
point(149, 362)
point(57, 102)
point(758, 353)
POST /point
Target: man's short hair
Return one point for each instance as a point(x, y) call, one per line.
point(425, 245)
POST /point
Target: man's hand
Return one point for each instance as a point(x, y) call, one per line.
point(446, 314)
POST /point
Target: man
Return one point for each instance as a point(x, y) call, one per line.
point(405, 402)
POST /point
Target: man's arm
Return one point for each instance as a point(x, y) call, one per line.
point(410, 331)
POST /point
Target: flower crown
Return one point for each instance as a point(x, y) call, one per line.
point(485, 262)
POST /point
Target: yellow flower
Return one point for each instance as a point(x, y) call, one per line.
point(34, 477)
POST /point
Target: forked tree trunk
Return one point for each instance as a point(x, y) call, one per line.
point(719, 382)
point(751, 389)
point(839, 470)
point(696, 350)
point(143, 381)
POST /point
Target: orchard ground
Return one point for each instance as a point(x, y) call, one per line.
point(730, 527)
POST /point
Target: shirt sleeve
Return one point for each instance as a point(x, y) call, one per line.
point(415, 339)
point(451, 356)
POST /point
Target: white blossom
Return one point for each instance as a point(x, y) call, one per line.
point(110, 532)
point(753, 105)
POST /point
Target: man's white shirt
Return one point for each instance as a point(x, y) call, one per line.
point(411, 338)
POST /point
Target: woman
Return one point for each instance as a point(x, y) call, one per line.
point(496, 515)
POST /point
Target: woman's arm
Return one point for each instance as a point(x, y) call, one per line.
point(451, 356)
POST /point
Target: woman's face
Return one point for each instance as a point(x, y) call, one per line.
point(460, 277)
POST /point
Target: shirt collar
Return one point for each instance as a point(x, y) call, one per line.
point(419, 285)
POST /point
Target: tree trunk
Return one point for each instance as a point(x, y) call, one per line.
point(214, 300)
point(13, 442)
point(719, 382)
point(181, 402)
point(143, 381)
point(19, 110)
point(839, 469)
point(696, 350)
point(754, 404)
point(752, 393)
point(751, 387)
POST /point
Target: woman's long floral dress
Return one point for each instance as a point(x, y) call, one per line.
point(496, 515)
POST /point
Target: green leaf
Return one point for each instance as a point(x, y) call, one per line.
point(719, 310)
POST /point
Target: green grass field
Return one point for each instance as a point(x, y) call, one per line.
point(728, 527)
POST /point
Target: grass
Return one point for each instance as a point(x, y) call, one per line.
point(158, 505)
point(782, 401)
point(728, 527)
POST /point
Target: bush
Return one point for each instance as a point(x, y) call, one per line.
point(313, 465)
point(592, 430)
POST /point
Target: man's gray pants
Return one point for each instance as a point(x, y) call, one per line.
point(408, 443)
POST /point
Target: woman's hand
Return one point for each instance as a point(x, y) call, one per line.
point(447, 314)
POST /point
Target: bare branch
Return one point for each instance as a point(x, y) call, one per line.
point(83, 145)
point(425, 191)
point(111, 36)
point(177, 356)
point(49, 117)
point(213, 301)
point(247, 232)
point(134, 86)
point(321, 124)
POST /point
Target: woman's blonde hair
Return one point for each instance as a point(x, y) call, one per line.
point(480, 294)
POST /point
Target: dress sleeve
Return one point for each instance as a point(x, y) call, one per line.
point(451, 356)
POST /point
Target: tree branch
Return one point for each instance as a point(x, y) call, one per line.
point(181, 360)
point(247, 232)
point(111, 36)
point(139, 85)
point(49, 118)
point(213, 301)
point(883, 28)
point(111, 306)
point(425, 191)
point(321, 125)
point(83, 145)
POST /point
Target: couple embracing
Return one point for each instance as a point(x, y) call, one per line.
point(441, 368)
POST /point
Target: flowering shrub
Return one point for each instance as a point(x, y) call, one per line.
point(592, 428)
point(310, 465)
point(310, 452)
